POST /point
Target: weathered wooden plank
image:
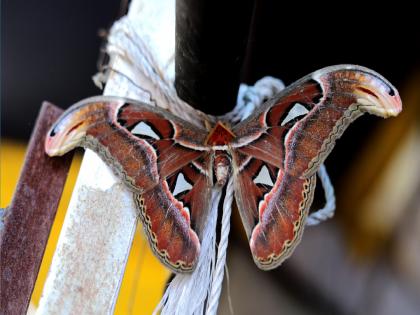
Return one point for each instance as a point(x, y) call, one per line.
point(28, 220)
point(96, 237)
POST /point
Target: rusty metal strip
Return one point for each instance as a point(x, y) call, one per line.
point(28, 220)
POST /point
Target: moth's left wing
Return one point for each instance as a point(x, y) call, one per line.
point(159, 156)
point(278, 150)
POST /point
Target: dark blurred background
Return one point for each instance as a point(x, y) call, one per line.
point(364, 261)
point(49, 49)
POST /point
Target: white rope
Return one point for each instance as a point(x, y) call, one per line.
point(216, 285)
point(187, 293)
point(125, 42)
point(250, 97)
point(199, 291)
point(328, 211)
point(178, 297)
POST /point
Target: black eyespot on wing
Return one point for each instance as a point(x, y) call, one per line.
point(53, 131)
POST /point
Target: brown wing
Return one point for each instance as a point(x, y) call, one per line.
point(279, 149)
point(159, 156)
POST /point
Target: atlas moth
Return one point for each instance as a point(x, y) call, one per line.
point(171, 164)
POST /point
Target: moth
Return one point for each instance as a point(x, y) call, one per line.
point(172, 165)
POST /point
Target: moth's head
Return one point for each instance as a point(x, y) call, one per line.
point(68, 131)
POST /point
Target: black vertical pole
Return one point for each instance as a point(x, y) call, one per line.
point(211, 41)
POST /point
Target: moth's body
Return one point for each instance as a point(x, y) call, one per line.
point(219, 139)
point(172, 165)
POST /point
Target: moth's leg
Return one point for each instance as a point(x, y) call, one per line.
point(328, 210)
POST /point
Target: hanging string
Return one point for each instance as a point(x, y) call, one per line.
point(178, 298)
point(328, 211)
point(216, 285)
point(133, 53)
point(250, 97)
point(187, 293)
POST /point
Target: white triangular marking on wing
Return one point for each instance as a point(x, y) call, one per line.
point(145, 130)
point(264, 177)
point(297, 110)
point(181, 185)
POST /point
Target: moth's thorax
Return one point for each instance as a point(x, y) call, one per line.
point(220, 135)
point(221, 165)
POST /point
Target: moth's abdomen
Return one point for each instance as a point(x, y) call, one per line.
point(222, 167)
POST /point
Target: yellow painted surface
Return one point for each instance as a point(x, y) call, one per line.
point(144, 277)
point(11, 159)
